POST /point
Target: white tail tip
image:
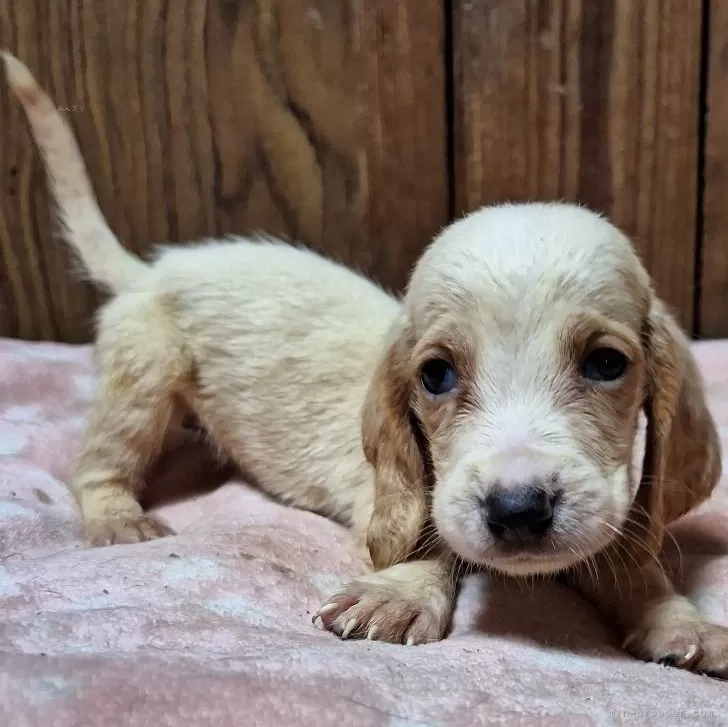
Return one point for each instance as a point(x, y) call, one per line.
point(21, 80)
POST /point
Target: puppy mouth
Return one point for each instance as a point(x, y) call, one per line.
point(540, 555)
point(550, 555)
point(524, 552)
point(530, 561)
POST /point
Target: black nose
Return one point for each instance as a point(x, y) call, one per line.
point(518, 515)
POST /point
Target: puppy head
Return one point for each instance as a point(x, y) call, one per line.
point(505, 408)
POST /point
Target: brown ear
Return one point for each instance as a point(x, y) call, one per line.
point(682, 462)
point(392, 446)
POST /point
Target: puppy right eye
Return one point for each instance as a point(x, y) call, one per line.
point(438, 376)
point(604, 365)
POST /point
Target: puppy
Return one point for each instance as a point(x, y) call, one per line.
point(499, 405)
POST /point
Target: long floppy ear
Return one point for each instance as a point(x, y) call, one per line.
point(682, 462)
point(392, 446)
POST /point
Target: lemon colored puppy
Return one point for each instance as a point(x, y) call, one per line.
point(492, 416)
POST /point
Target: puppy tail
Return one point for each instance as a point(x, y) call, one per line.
point(82, 223)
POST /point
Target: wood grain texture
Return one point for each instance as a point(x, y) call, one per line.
point(595, 102)
point(713, 317)
point(322, 121)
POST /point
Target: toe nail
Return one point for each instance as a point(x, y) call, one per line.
point(689, 654)
point(680, 661)
point(372, 633)
point(350, 626)
point(326, 608)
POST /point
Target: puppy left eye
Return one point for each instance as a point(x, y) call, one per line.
point(604, 364)
point(438, 376)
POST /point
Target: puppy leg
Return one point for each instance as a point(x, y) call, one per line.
point(408, 603)
point(360, 519)
point(141, 368)
point(657, 623)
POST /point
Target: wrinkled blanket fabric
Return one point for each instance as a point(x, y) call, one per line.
point(213, 626)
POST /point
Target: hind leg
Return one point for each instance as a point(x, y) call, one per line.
point(141, 370)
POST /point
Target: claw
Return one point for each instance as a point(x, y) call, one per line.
point(689, 656)
point(326, 608)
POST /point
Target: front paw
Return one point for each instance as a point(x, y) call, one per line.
point(125, 530)
point(676, 635)
point(389, 606)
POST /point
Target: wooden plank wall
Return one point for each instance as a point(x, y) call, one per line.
point(713, 302)
point(323, 121)
point(360, 127)
point(593, 102)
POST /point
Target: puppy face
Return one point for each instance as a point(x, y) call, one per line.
point(531, 432)
point(522, 356)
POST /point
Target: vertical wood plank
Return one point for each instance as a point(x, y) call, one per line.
point(714, 269)
point(594, 102)
point(321, 121)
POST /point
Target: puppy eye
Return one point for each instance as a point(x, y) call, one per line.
point(604, 364)
point(438, 376)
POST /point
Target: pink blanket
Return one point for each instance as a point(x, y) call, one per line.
point(213, 627)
